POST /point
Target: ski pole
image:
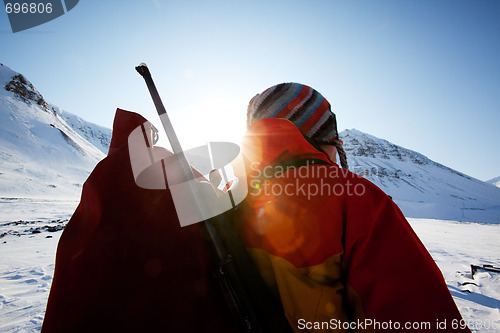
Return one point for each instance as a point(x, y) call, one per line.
point(226, 273)
point(160, 108)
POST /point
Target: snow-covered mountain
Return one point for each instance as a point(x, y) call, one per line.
point(98, 136)
point(421, 187)
point(45, 152)
point(495, 181)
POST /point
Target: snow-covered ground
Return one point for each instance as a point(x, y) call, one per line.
point(30, 230)
point(454, 247)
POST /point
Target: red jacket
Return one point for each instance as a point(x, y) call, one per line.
point(123, 262)
point(334, 248)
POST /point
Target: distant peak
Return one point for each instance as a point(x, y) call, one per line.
point(352, 130)
point(23, 89)
point(355, 132)
point(359, 135)
point(360, 144)
point(495, 181)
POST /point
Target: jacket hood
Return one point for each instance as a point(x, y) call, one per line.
point(125, 122)
point(270, 141)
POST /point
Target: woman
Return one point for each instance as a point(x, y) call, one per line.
point(334, 248)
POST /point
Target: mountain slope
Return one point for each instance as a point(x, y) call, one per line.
point(494, 181)
point(420, 186)
point(41, 154)
point(98, 136)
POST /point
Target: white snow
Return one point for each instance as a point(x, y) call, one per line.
point(454, 247)
point(26, 268)
point(98, 136)
point(495, 181)
point(44, 160)
point(27, 254)
point(29, 232)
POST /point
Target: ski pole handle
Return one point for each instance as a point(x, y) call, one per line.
point(160, 108)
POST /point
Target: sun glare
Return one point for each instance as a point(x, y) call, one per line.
point(208, 120)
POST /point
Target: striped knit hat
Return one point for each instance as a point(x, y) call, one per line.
point(304, 107)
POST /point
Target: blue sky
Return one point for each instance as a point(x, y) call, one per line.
point(421, 74)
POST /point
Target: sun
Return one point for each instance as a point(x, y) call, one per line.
point(209, 119)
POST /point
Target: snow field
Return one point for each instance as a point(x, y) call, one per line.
point(28, 248)
point(26, 268)
point(454, 247)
